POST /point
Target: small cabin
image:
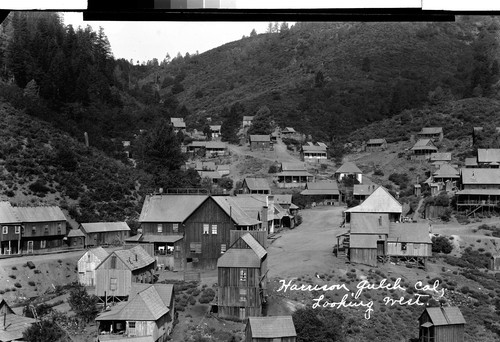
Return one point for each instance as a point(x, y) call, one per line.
point(88, 263)
point(105, 233)
point(442, 324)
point(374, 145)
point(423, 149)
point(270, 329)
point(247, 121)
point(349, 170)
point(256, 186)
point(323, 193)
point(313, 153)
point(259, 142)
point(495, 263)
point(433, 133)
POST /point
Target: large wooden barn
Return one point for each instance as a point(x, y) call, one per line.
point(116, 273)
point(270, 329)
point(87, 264)
point(242, 279)
point(442, 324)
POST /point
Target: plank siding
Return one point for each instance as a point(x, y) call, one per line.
point(367, 256)
point(412, 249)
point(259, 235)
point(106, 238)
point(167, 228)
point(86, 268)
point(103, 282)
point(442, 333)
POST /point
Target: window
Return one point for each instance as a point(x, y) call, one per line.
point(177, 247)
point(160, 228)
point(113, 262)
point(243, 295)
point(175, 227)
point(195, 247)
point(403, 246)
point(17, 230)
point(59, 228)
point(33, 230)
point(131, 328)
point(46, 230)
point(243, 275)
point(43, 244)
point(205, 228)
point(5, 229)
point(113, 284)
point(380, 220)
point(223, 248)
point(214, 229)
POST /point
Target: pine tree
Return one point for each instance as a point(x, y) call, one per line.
point(253, 33)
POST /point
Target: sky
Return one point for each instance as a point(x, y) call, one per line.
point(143, 41)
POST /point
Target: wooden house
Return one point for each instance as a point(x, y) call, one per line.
point(12, 325)
point(105, 233)
point(116, 273)
point(87, 264)
point(292, 175)
point(205, 166)
point(349, 170)
point(259, 142)
point(287, 132)
point(442, 324)
point(191, 231)
point(313, 153)
point(270, 328)
point(480, 189)
point(255, 186)
point(212, 176)
point(11, 236)
point(247, 121)
point(178, 124)
point(210, 148)
point(44, 228)
point(488, 157)
point(76, 238)
point(369, 226)
point(440, 158)
point(149, 313)
point(323, 193)
point(215, 131)
point(471, 163)
point(259, 207)
point(423, 149)
point(409, 241)
point(242, 279)
point(362, 191)
point(374, 145)
point(494, 263)
point(447, 175)
point(285, 201)
point(433, 133)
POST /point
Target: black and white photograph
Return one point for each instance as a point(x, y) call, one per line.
point(228, 175)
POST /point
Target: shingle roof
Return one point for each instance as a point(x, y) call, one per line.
point(290, 166)
point(363, 189)
point(409, 232)
point(39, 214)
point(480, 176)
point(431, 130)
point(254, 245)
point(231, 208)
point(8, 214)
point(257, 183)
point(446, 156)
point(98, 227)
point(424, 144)
point(380, 201)
point(376, 141)
point(488, 155)
point(272, 327)
point(259, 138)
point(308, 148)
point(170, 208)
point(445, 315)
point(128, 256)
point(447, 171)
point(348, 167)
point(321, 188)
point(363, 241)
point(239, 258)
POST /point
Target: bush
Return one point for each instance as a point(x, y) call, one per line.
point(273, 169)
point(18, 285)
point(31, 283)
point(207, 296)
point(441, 245)
point(378, 172)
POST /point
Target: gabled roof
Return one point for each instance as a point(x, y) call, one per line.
point(287, 166)
point(101, 227)
point(272, 327)
point(169, 207)
point(243, 257)
point(348, 167)
point(313, 148)
point(363, 189)
point(76, 233)
point(480, 176)
point(447, 171)
point(445, 315)
point(237, 214)
point(134, 258)
point(39, 214)
point(424, 144)
point(215, 145)
point(288, 130)
point(179, 124)
point(12, 326)
point(431, 130)
point(259, 138)
point(471, 161)
point(257, 183)
point(409, 232)
point(215, 127)
point(380, 201)
point(254, 245)
point(321, 188)
point(376, 142)
point(441, 156)
point(99, 252)
point(8, 214)
point(488, 155)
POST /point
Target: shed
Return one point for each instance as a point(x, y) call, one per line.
point(105, 233)
point(256, 186)
point(88, 263)
point(76, 238)
point(376, 145)
point(271, 328)
point(442, 324)
point(349, 169)
point(259, 142)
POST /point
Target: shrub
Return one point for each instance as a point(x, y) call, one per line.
point(378, 172)
point(31, 283)
point(18, 285)
point(14, 268)
point(441, 244)
point(12, 276)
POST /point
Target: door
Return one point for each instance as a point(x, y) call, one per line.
point(89, 278)
point(242, 313)
point(30, 246)
point(380, 248)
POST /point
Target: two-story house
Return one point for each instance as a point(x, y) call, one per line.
point(11, 234)
point(87, 264)
point(292, 175)
point(480, 189)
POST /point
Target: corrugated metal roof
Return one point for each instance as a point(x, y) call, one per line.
point(488, 155)
point(98, 227)
point(254, 245)
point(348, 167)
point(259, 138)
point(288, 166)
point(8, 214)
point(128, 256)
point(445, 315)
point(447, 171)
point(169, 207)
point(409, 232)
point(76, 233)
point(363, 189)
point(257, 183)
point(308, 148)
point(380, 201)
point(431, 130)
point(424, 144)
point(480, 176)
point(39, 214)
point(363, 241)
point(231, 208)
point(272, 327)
point(376, 141)
point(239, 258)
point(441, 156)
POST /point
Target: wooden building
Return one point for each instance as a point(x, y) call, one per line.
point(447, 175)
point(313, 153)
point(87, 264)
point(247, 121)
point(116, 273)
point(178, 124)
point(105, 233)
point(212, 176)
point(433, 133)
point(44, 228)
point(215, 131)
point(242, 279)
point(292, 175)
point(76, 238)
point(259, 207)
point(442, 324)
point(480, 189)
point(440, 158)
point(323, 193)
point(285, 201)
point(210, 148)
point(149, 312)
point(423, 149)
point(409, 242)
point(349, 170)
point(471, 163)
point(255, 186)
point(488, 157)
point(361, 192)
point(374, 145)
point(270, 329)
point(287, 132)
point(259, 142)
point(12, 325)
point(10, 237)
point(495, 263)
